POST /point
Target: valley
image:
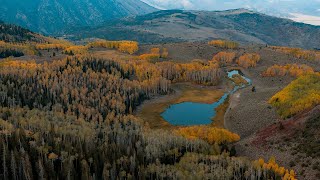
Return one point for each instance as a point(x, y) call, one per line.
point(101, 108)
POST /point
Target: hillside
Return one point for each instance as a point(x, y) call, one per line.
point(13, 33)
point(93, 110)
point(54, 16)
point(176, 25)
point(289, 9)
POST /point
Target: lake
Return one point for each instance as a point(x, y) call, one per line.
point(190, 113)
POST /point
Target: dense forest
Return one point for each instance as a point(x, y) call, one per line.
point(300, 95)
point(73, 119)
point(17, 34)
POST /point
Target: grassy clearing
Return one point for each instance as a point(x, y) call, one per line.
point(151, 111)
point(111, 54)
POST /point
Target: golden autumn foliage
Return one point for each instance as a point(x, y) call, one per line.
point(149, 57)
point(19, 64)
point(272, 166)
point(62, 118)
point(224, 58)
point(52, 156)
point(288, 69)
point(210, 134)
point(51, 40)
point(298, 53)
point(248, 60)
point(72, 50)
point(300, 95)
point(51, 46)
point(239, 80)
point(52, 43)
point(31, 48)
point(27, 49)
point(224, 44)
point(196, 72)
point(155, 53)
point(164, 53)
point(130, 47)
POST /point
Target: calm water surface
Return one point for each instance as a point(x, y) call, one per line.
point(189, 113)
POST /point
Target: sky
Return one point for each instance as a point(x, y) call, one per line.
point(299, 10)
point(299, 5)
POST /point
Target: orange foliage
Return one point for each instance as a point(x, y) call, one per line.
point(130, 47)
point(19, 64)
point(197, 72)
point(28, 49)
point(51, 46)
point(210, 134)
point(52, 156)
point(239, 80)
point(224, 44)
point(224, 58)
point(155, 51)
point(72, 50)
point(248, 60)
point(149, 57)
point(272, 166)
point(154, 54)
point(289, 69)
point(298, 53)
point(165, 53)
point(300, 95)
point(2, 43)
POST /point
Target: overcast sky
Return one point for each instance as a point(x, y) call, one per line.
point(309, 7)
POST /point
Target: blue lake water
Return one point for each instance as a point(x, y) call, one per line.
point(190, 113)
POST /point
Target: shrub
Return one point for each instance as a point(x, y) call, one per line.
point(224, 44)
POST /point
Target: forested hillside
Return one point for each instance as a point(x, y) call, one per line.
point(74, 117)
point(13, 33)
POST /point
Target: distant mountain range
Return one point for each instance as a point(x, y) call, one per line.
point(306, 11)
point(178, 25)
point(54, 16)
point(136, 20)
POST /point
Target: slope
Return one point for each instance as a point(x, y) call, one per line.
point(52, 16)
point(177, 25)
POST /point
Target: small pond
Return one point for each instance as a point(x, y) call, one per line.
point(190, 113)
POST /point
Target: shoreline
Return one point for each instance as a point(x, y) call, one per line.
point(150, 110)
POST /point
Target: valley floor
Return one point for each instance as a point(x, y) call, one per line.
point(248, 112)
point(150, 111)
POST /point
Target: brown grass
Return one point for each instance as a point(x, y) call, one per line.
point(218, 120)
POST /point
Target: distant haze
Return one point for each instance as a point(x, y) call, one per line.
point(302, 11)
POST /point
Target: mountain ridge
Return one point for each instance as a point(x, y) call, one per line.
point(241, 25)
point(50, 17)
